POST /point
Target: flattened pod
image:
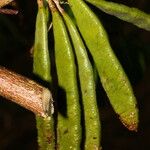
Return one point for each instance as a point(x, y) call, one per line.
point(68, 127)
point(113, 78)
point(91, 113)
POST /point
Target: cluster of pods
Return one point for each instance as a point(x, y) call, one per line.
point(78, 32)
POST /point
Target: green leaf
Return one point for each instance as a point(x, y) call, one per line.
point(132, 15)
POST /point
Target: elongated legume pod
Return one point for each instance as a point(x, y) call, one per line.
point(91, 114)
point(113, 78)
point(41, 67)
point(68, 127)
point(41, 59)
point(132, 15)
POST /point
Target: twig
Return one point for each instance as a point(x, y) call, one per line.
point(8, 11)
point(5, 2)
point(25, 92)
point(53, 4)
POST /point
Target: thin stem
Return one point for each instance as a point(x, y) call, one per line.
point(8, 11)
point(40, 3)
point(53, 4)
point(57, 3)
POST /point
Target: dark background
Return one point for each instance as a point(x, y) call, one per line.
point(132, 47)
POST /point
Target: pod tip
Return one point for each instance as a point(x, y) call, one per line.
point(130, 121)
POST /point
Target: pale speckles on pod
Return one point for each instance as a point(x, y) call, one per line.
point(112, 75)
point(129, 121)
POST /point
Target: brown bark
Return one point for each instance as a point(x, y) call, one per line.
point(25, 92)
point(4, 2)
point(8, 11)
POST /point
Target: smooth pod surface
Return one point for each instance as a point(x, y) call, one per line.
point(41, 59)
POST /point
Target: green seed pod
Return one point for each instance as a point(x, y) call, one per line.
point(41, 67)
point(46, 134)
point(91, 113)
point(113, 78)
point(41, 59)
point(68, 126)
